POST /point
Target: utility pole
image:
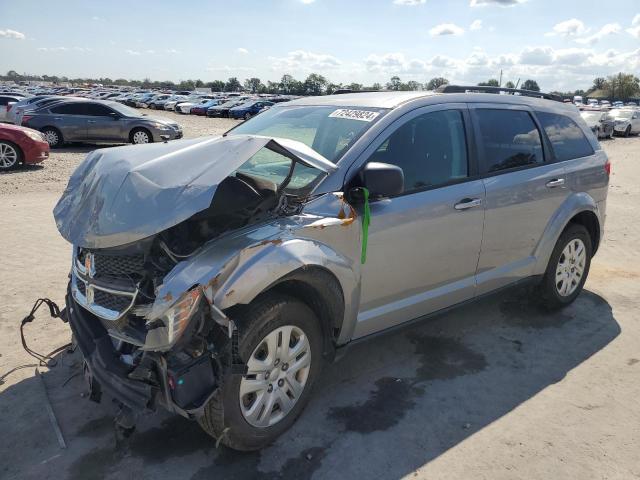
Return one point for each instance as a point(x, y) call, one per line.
point(500, 84)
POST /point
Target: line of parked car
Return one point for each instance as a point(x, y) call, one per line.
point(606, 122)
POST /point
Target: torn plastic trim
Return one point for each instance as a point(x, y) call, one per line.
point(125, 194)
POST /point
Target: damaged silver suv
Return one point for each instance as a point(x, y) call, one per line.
point(213, 277)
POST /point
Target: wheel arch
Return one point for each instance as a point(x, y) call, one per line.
point(320, 290)
point(579, 208)
point(135, 128)
point(18, 149)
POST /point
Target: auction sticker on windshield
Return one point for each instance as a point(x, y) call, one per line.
point(363, 115)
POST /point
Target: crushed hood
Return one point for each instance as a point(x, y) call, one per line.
point(124, 194)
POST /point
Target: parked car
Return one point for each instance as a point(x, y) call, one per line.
point(248, 109)
point(21, 104)
point(157, 103)
point(201, 108)
point(21, 145)
point(171, 103)
point(185, 107)
point(51, 100)
point(227, 270)
point(98, 121)
point(7, 101)
point(627, 121)
point(222, 110)
point(600, 122)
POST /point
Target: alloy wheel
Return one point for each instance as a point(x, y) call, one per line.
point(277, 373)
point(8, 156)
point(570, 268)
point(140, 137)
point(52, 137)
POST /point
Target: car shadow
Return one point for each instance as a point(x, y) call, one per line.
point(23, 168)
point(83, 147)
point(386, 408)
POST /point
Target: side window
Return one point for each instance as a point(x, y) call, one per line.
point(510, 139)
point(4, 101)
point(97, 110)
point(70, 109)
point(431, 150)
point(566, 138)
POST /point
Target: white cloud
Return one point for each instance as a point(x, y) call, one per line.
point(172, 51)
point(96, 18)
point(446, 29)
point(571, 27)
point(8, 33)
point(477, 58)
point(242, 51)
point(133, 52)
point(151, 52)
point(227, 68)
point(501, 3)
point(302, 59)
point(476, 25)
point(635, 31)
point(608, 29)
point(410, 3)
point(536, 56)
point(636, 20)
point(307, 2)
point(443, 61)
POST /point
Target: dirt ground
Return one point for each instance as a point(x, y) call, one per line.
point(496, 390)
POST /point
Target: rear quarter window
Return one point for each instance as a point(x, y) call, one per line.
point(566, 137)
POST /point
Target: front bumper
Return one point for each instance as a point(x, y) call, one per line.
point(36, 152)
point(183, 389)
point(620, 127)
point(173, 134)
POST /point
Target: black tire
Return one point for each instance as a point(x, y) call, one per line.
point(627, 132)
point(548, 290)
point(223, 418)
point(53, 136)
point(247, 116)
point(132, 136)
point(13, 158)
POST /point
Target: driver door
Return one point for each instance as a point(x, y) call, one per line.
point(424, 244)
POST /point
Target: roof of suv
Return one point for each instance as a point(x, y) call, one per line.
point(385, 99)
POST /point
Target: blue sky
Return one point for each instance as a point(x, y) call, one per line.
point(563, 44)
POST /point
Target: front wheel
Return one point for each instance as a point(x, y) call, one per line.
point(281, 343)
point(567, 269)
point(10, 155)
point(140, 136)
point(52, 136)
point(247, 116)
point(627, 132)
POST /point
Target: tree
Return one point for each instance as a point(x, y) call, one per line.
point(232, 85)
point(356, 87)
point(215, 86)
point(623, 86)
point(492, 82)
point(530, 85)
point(394, 83)
point(509, 84)
point(376, 86)
point(286, 83)
point(599, 83)
point(199, 83)
point(253, 84)
point(436, 82)
point(412, 85)
point(315, 84)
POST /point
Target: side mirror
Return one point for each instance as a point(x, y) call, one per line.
point(383, 179)
point(114, 115)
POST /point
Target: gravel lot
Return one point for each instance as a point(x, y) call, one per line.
point(497, 390)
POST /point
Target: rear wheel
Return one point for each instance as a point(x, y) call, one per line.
point(567, 269)
point(140, 136)
point(10, 155)
point(52, 136)
point(281, 343)
point(627, 131)
point(247, 116)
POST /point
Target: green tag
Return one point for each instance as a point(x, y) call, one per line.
point(365, 226)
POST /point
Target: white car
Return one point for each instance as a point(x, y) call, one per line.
point(627, 121)
point(185, 107)
point(171, 105)
point(7, 101)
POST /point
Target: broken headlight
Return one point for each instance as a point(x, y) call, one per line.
point(165, 331)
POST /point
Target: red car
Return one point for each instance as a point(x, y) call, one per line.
point(21, 145)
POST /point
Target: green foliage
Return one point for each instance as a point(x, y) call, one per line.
point(436, 82)
point(530, 85)
point(492, 82)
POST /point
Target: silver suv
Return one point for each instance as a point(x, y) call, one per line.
point(214, 276)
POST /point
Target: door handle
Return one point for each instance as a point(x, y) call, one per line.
point(556, 182)
point(467, 203)
point(91, 121)
point(57, 118)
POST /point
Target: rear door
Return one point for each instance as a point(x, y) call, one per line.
point(523, 190)
point(424, 244)
point(4, 103)
point(71, 119)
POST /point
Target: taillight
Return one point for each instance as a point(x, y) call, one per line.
point(26, 118)
point(607, 167)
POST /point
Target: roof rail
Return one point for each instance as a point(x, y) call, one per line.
point(496, 90)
